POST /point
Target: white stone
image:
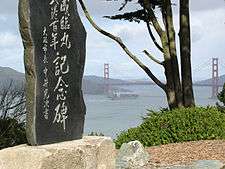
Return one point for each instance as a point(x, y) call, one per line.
point(88, 153)
point(208, 164)
point(132, 155)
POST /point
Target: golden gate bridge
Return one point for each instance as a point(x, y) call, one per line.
point(214, 77)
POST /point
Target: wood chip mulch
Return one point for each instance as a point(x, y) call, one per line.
point(185, 153)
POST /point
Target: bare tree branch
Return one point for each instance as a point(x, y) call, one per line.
point(149, 29)
point(153, 18)
point(153, 38)
point(16, 105)
point(152, 57)
point(12, 101)
point(4, 93)
point(123, 46)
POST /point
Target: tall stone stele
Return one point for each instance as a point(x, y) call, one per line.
point(54, 54)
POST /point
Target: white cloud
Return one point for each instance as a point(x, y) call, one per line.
point(197, 29)
point(212, 42)
point(12, 58)
point(3, 18)
point(128, 30)
point(104, 7)
point(8, 39)
point(208, 36)
point(200, 5)
point(11, 51)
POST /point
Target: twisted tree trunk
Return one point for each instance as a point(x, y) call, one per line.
point(185, 54)
point(168, 22)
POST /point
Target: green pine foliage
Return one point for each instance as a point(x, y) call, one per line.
point(12, 133)
point(137, 15)
point(178, 125)
point(221, 98)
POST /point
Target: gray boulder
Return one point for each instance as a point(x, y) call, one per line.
point(132, 155)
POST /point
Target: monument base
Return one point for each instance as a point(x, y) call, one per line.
point(88, 153)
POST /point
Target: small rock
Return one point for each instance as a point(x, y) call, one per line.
point(201, 164)
point(132, 155)
point(208, 164)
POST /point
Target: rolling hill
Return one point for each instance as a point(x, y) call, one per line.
point(91, 84)
point(8, 74)
point(209, 81)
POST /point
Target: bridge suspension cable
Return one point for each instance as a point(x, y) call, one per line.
point(202, 66)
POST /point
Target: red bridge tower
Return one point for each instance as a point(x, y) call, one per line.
point(215, 77)
point(106, 78)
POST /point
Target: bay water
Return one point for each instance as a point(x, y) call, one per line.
point(110, 117)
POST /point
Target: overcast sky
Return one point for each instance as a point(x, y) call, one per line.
point(208, 39)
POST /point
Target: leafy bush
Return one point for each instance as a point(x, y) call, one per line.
point(12, 133)
point(179, 125)
point(95, 134)
point(221, 98)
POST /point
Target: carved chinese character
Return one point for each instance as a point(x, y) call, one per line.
point(61, 96)
point(61, 84)
point(64, 6)
point(46, 95)
point(45, 47)
point(45, 83)
point(54, 25)
point(46, 108)
point(64, 23)
point(45, 38)
point(54, 2)
point(65, 41)
point(45, 60)
point(54, 41)
point(61, 114)
point(54, 12)
point(46, 104)
point(44, 31)
point(61, 67)
point(46, 113)
point(45, 71)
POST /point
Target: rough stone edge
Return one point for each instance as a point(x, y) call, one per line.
point(94, 147)
point(30, 73)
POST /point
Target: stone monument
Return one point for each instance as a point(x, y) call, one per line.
point(54, 55)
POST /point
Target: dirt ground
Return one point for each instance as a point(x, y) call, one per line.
point(185, 153)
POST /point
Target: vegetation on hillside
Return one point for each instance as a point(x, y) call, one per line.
point(178, 125)
point(12, 133)
point(221, 98)
point(12, 115)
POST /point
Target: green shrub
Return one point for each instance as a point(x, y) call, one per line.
point(12, 133)
point(95, 134)
point(179, 125)
point(221, 98)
